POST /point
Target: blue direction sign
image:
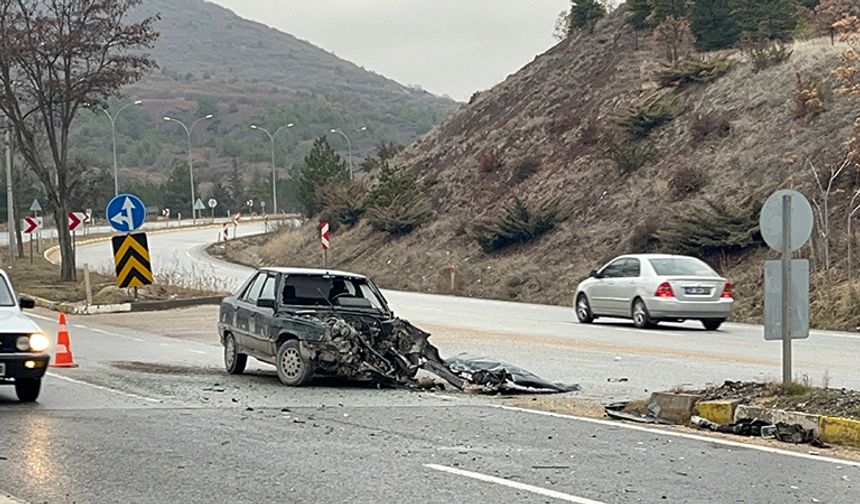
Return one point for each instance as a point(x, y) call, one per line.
point(126, 213)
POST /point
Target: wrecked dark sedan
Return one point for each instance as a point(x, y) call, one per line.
point(309, 322)
point(313, 322)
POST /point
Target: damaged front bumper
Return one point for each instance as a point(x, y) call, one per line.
point(391, 352)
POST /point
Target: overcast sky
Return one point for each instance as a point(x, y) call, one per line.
point(453, 47)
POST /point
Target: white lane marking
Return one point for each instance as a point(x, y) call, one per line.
point(165, 345)
point(8, 499)
point(512, 484)
point(694, 437)
point(107, 389)
point(42, 317)
point(80, 326)
point(139, 340)
point(197, 351)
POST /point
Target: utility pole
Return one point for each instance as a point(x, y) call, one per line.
point(10, 203)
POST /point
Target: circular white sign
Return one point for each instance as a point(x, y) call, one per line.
point(770, 220)
point(213, 202)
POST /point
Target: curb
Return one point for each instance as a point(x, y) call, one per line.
point(141, 306)
point(833, 430)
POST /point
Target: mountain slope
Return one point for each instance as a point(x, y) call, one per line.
point(546, 124)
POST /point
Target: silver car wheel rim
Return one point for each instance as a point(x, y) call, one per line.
point(583, 308)
point(639, 314)
point(291, 363)
point(229, 352)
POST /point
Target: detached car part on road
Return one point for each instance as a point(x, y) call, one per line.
point(651, 288)
point(309, 322)
point(23, 347)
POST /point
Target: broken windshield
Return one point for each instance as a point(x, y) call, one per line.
point(307, 290)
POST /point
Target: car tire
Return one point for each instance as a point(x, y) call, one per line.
point(712, 324)
point(583, 310)
point(234, 361)
point(28, 390)
point(641, 317)
point(294, 370)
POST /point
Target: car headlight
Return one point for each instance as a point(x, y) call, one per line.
point(22, 343)
point(39, 342)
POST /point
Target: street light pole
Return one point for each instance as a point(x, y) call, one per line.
point(188, 132)
point(10, 205)
point(349, 146)
point(112, 119)
point(274, 172)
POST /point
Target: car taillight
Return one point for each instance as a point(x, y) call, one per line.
point(664, 291)
point(727, 291)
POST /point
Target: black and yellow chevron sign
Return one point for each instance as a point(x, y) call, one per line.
point(131, 256)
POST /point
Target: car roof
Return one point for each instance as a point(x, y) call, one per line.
point(312, 272)
point(655, 256)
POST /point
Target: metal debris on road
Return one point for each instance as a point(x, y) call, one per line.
point(787, 433)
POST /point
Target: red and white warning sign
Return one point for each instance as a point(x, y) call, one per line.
point(325, 236)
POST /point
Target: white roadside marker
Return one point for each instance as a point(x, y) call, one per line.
point(513, 484)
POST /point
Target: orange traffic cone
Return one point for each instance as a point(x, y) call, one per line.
point(63, 356)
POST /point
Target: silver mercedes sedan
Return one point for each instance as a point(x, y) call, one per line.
point(652, 288)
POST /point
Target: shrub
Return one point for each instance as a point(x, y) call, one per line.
point(714, 228)
point(519, 223)
point(764, 56)
point(342, 202)
point(643, 238)
point(397, 204)
point(809, 99)
point(708, 126)
point(641, 119)
point(693, 71)
point(628, 157)
point(685, 181)
point(401, 216)
point(490, 160)
point(524, 169)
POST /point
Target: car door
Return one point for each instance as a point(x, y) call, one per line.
point(600, 293)
point(246, 307)
point(625, 286)
point(262, 320)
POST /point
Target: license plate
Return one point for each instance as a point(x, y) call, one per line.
point(2, 369)
point(697, 291)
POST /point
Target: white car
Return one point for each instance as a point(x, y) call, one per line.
point(23, 346)
point(652, 288)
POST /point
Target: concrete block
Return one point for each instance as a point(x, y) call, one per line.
point(842, 431)
point(673, 406)
point(721, 412)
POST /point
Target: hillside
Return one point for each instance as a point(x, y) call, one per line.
point(212, 61)
point(546, 126)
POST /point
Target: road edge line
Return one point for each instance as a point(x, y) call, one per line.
point(683, 435)
point(107, 389)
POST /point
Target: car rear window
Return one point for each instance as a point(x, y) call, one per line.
point(681, 266)
point(6, 298)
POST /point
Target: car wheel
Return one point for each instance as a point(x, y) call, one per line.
point(293, 369)
point(233, 360)
point(28, 390)
point(712, 324)
point(641, 317)
point(583, 310)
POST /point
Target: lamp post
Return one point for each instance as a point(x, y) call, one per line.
point(188, 132)
point(10, 205)
point(274, 173)
point(349, 146)
point(112, 119)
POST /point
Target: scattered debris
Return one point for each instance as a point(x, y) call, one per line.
point(618, 380)
point(787, 433)
point(623, 411)
point(468, 372)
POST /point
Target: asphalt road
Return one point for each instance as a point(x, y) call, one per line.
point(152, 419)
point(149, 416)
point(549, 341)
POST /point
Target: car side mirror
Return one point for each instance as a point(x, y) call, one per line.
point(266, 303)
point(594, 274)
point(27, 303)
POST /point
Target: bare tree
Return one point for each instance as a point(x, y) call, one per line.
point(853, 208)
point(57, 56)
point(822, 202)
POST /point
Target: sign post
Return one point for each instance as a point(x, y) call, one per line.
point(36, 207)
point(325, 238)
point(212, 204)
point(786, 225)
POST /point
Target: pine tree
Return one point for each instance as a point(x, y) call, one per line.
point(765, 19)
point(237, 189)
point(662, 9)
point(176, 190)
point(638, 12)
point(584, 13)
point(712, 24)
point(322, 165)
point(222, 196)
